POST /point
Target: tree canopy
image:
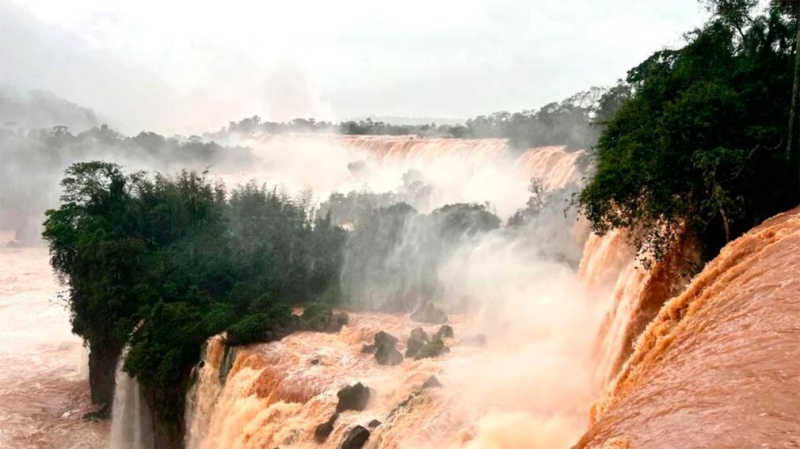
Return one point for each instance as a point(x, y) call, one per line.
point(700, 140)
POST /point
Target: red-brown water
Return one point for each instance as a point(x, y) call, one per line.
point(43, 380)
point(720, 364)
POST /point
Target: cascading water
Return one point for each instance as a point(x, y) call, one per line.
point(718, 366)
point(131, 425)
point(530, 386)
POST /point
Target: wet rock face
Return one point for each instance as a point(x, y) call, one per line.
point(356, 438)
point(324, 430)
point(353, 397)
point(434, 348)
point(432, 382)
point(428, 313)
point(417, 340)
point(444, 332)
point(385, 351)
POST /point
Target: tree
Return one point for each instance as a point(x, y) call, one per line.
point(737, 13)
point(698, 142)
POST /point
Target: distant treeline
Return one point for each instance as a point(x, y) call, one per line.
point(33, 161)
point(575, 122)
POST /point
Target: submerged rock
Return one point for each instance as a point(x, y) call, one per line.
point(429, 313)
point(434, 348)
point(356, 438)
point(444, 332)
point(368, 349)
point(417, 340)
point(432, 382)
point(477, 340)
point(324, 430)
point(353, 397)
point(374, 423)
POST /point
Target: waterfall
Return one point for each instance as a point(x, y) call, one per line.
point(131, 425)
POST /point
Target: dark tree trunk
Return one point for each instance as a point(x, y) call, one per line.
point(166, 440)
point(792, 147)
point(102, 371)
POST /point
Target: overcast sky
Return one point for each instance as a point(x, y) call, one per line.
point(184, 66)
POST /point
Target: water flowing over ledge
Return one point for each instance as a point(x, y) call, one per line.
point(720, 364)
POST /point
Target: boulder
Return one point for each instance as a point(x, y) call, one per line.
point(432, 382)
point(388, 355)
point(323, 430)
point(417, 340)
point(433, 348)
point(385, 351)
point(356, 438)
point(383, 338)
point(374, 423)
point(353, 397)
point(428, 313)
point(444, 332)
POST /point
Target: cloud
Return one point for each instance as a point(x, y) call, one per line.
point(192, 67)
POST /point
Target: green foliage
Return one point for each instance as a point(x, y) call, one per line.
point(393, 253)
point(162, 263)
point(34, 159)
point(699, 141)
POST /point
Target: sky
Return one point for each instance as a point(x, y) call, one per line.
point(177, 66)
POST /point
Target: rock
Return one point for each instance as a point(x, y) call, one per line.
point(432, 382)
point(382, 338)
point(101, 414)
point(478, 340)
point(417, 340)
point(428, 313)
point(338, 321)
point(434, 348)
point(444, 332)
point(355, 438)
point(388, 355)
point(385, 351)
point(374, 423)
point(368, 349)
point(314, 361)
point(323, 430)
point(352, 397)
point(228, 357)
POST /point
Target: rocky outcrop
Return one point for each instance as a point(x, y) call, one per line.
point(228, 357)
point(444, 332)
point(432, 382)
point(386, 352)
point(356, 438)
point(433, 348)
point(417, 340)
point(324, 430)
point(102, 373)
point(353, 397)
point(429, 313)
